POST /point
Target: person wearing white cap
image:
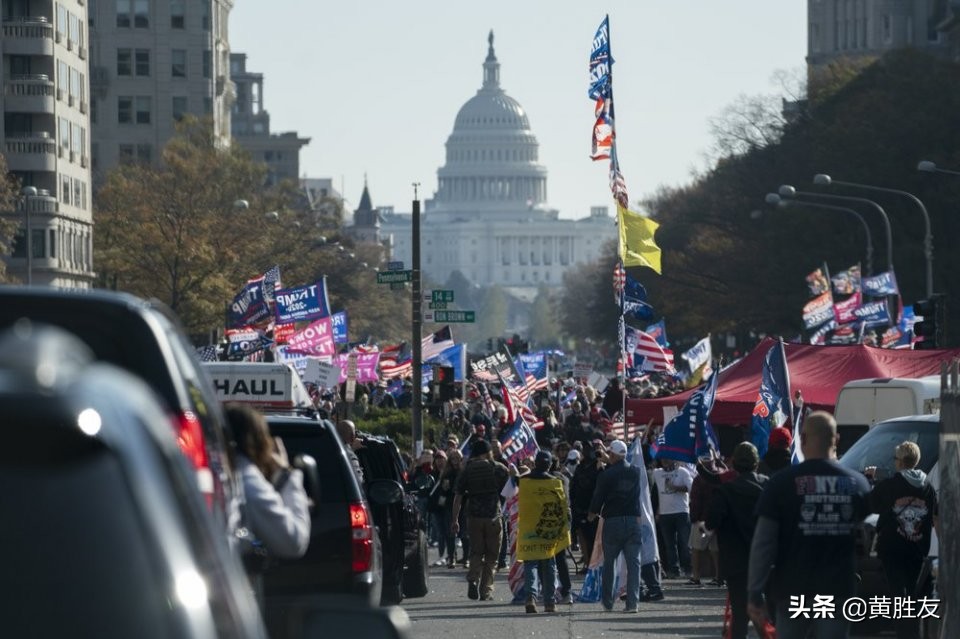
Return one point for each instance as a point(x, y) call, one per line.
point(617, 498)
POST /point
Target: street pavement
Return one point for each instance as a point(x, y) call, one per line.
point(447, 612)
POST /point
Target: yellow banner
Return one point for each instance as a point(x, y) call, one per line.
point(637, 244)
point(543, 528)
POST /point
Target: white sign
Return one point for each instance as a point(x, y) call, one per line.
point(322, 374)
point(582, 369)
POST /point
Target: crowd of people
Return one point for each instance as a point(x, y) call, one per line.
point(768, 530)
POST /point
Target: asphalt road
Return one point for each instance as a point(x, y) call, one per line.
point(446, 612)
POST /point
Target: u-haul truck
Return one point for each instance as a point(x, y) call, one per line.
point(268, 386)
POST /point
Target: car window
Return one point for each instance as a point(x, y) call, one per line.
point(78, 548)
point(876, 448)
point(332, 468)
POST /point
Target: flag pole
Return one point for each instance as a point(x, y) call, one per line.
point(417, 326)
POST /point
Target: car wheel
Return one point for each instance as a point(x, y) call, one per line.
point(415, 577)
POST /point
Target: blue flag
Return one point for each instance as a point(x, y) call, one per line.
point(658, 331)
point(689, 434)
point(453, 357)
point(249, 307)
point(303, 302)
point(339, 323)
point(774, 405)
point(518, 442)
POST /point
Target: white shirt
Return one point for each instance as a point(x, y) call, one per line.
point(279, 519)
point(673, 498)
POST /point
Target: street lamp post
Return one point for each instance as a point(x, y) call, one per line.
point(28, 192)
point(822, 179)
point(776, 200)
point(788, 191)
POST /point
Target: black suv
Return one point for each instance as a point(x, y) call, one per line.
point(145, 338)
point(344, 554)
point(105, 533)
point(400, 525)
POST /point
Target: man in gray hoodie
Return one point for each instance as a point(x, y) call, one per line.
point(906, 503)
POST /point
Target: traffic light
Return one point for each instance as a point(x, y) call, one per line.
point(443, 383)
point(931, 328)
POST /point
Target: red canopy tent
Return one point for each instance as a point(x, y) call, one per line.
point(819, 372)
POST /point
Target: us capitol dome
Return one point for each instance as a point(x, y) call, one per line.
point(489, 218)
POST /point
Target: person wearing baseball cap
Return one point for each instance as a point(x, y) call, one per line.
point(617, 498)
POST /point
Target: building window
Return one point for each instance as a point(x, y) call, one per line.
point(124, 62)
point(141, 14)
point(125, 109)
point(93, 111)
point(178, 63)
point(178, 14)
point(76, 140)
point(53, 243)
point(124, 9)
point(207, 63)
point(179, 107)
point(75, 84)
point(64, 135)
point(142, 59)
point(144, 153)
point(76, 33)
point(61, 21)
point(65, 189)
point(887, 29)
point(76, 193)
point(38, 236)
point(143, 109)
point(83, 194)
point(205, 17)
point(127, 153)
point(207, 106)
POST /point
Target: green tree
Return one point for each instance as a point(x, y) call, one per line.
point(587, 310)
point(9, 186)
point(544, 325)
point(492, 313)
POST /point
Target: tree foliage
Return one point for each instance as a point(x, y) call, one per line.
point(176, 233)
point(544, 324)
point(9, 187)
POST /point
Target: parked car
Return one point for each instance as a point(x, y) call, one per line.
point(344, 555)
point(105, 533)
point(400, 525)
point(876, 448)
point(145, 338)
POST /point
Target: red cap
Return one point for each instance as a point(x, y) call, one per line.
point(780, 437)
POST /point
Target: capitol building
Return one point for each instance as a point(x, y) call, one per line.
point(489, 218)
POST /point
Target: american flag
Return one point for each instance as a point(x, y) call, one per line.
point(655, 357)
point(484, 375)
point(517, 406)
point(208, 353)
point(618, 186)
point(393, 369)
point(271, 280)
point(619, 279)
point(435, 343)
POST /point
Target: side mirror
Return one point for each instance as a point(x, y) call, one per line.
point(311, 477)
point(384, 492)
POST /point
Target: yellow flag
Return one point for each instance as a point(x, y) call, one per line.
point(542, 526)
point(637, 246)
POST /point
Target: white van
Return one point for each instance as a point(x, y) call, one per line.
point(862, 403)
point(270, 387)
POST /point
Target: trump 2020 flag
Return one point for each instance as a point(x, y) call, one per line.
point(249, 307)
point(774, 405)
point(689, 434)
point(303, 302)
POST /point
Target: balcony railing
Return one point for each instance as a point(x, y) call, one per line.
point(42, 203)
point(32, 143)
point(27, 27)
point(29, 86)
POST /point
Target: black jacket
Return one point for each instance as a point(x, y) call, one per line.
point(906, 509)
point(732, 515)
point(774, 460)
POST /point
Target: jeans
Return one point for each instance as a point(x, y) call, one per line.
point(445, 540)
point(799, 628)
point(563, 571)
point(621, 534)
point(546, 570)
point(675, 528)
point(484, 550)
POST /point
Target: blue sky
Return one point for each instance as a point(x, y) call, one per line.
point(376, 84)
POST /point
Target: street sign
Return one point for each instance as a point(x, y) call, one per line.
point(391, 277)
point(454, 316)
point(437, 306)
point(394, 266)
point(438, 295)
point(397, 286)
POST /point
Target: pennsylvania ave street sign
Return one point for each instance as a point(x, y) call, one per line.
point(391, 277)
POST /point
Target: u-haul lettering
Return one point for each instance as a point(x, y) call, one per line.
point(252, 387)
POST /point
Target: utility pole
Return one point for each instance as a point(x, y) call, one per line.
point(417, 325)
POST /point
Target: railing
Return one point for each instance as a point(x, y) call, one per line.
point(29, 86)
point(32, 27)
point(44, 203)
point(31, 144)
